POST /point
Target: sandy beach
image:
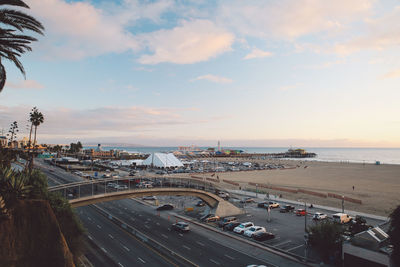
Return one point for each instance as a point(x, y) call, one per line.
point(377, 186)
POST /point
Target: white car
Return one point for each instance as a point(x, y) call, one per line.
point(121, 187)
point(253, 230)
point(113, 185)
point(319, 216)
point(243, 227)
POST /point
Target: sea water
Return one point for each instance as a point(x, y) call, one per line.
point(359, 155)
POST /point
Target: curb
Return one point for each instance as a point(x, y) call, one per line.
point(286, 255)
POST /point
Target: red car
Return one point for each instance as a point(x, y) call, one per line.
point(301, 212)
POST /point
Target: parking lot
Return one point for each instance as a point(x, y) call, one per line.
point(288, 228)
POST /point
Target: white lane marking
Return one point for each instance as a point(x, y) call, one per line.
point(127, 249)
point(181, 234)
point(164, 236)
point(141, 260)
point(299, 246)
point(132, 219)
point(120, 264)
point(110, 236)
point(216, 262)
point(158, 223)
point(148, 227)
point(98, 226)
point(201, 244)
point(282, 243)
point(169, 229)
point(103, 249)
point(91, 238)
point(186, 247)
point(89, 218)
point(229, 257)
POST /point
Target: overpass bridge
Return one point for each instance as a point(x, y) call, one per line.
point(100, 190)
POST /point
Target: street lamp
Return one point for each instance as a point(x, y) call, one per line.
point(256, 190)
point(342, 204)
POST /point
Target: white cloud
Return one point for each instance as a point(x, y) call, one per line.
point(24, 84)
point(213, 78)
point(391, 74)
point(290, 19)
point(257, 53)
point(190, 42)
point(75, 30)
point(82, 123)
point(382, 33)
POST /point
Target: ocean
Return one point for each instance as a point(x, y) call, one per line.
point(359, 155)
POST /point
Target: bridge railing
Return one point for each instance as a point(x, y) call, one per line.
point(111, 185)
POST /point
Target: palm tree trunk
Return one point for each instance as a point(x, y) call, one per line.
point(30, 137)
point(34, 142)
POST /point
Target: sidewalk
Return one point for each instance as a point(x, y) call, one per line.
point(276, 198)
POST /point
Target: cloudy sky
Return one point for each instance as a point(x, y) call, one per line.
point(248, 73)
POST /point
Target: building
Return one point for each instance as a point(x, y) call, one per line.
point(369, 248)
point(3, 141)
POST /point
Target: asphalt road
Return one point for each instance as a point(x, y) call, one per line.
point(200, 246)
point(119, 245)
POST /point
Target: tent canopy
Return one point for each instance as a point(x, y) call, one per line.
point(163, 160)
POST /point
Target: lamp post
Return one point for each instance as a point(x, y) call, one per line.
point(256, 190)
point(342, 204)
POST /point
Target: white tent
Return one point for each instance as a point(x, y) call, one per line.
point(162, 160)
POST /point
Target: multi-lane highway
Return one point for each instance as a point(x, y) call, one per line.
point(200, 246)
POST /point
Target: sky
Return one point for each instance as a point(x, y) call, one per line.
point(302, 73)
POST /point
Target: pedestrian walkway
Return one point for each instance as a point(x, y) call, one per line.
point(276, 198)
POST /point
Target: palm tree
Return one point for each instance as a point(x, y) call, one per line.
point(12, 43)
point(36, 118)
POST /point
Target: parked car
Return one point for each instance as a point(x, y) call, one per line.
point(223, 195)
point(262, 236)
point(243, 227)
point(319, 216)
point(121, 187)
point(226, 220)
point(149, 198)
point(206, 216)
point(113, 185)
point(181, 227)
point(166, 207)
point(341, 218)
point(286, 208)
point(253, 230)
point(262, 204)
point(201, 203)
point(212, 218)
point(273, 205)
point(247, 200)
point(230, 226)
point(301, 212)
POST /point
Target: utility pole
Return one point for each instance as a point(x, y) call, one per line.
point(305, 217)
point(256, 190)
point(342, 204)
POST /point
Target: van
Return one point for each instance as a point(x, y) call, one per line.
point(341, 218)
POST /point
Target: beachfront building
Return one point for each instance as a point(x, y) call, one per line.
point(3, 141)
point(163, 160)
point(368, 248)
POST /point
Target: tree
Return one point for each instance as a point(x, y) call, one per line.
point(326, 238)
point(73, 148)
point(13, 43)
point(394, 235)
point(36, 118)
point(13, 131)
point(13, 186)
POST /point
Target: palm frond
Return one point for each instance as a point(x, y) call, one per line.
point(19, 3)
